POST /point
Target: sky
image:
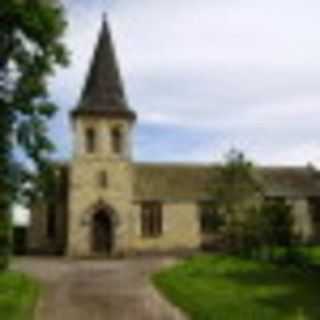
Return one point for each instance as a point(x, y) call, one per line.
point(205, 76)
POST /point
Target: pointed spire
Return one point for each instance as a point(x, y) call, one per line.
point(105, 17)
point(103, 92)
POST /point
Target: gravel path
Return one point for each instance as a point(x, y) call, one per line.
point(99, 289)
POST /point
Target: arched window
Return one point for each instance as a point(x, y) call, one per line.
point(90, 140)
point(116, 140)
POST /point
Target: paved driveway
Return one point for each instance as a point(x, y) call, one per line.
point(94, 290)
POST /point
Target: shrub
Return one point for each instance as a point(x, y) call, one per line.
point(267, 230)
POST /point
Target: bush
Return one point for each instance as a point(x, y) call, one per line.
point(277, 228)
point(266, 229)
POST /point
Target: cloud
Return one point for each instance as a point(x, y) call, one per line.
point(210, 74)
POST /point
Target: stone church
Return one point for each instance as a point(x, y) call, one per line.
point(107, 204)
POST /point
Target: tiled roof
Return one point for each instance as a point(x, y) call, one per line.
point(175, 182)
point(170, 182)
point(290, 181)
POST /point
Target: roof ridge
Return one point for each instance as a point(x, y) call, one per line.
point(281, 167)
point(175, 164)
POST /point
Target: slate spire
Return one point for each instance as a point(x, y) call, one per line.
point(103, 92)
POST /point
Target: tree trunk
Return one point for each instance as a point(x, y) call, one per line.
point(6, 129)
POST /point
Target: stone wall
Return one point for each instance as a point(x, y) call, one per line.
point(38, 240)
point(87, 197)
point(37, 237)
point(181, 229)
point(103, 128)
point(303, 226)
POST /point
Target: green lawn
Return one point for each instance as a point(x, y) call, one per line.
point(308, 255)
point(229, 288)
point(18, 295)
point(314, 254)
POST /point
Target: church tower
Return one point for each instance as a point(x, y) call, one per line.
point(100, 175)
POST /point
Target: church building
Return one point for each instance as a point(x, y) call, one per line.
point(108, 204)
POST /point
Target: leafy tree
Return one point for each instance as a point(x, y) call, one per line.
point(251, 227)
point(266, 230)
point(30, 50)
point(234, 187)
point(254, 227)
point(212, 222)
point(234, 184)
point(276, 230)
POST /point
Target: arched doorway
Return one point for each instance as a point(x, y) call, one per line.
point(102, 233)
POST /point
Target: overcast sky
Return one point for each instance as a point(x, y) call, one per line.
point(205, 76)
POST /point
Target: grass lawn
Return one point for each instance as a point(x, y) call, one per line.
point(229, 288)
point(18, 295)
point(311, 254)
point(314, 254)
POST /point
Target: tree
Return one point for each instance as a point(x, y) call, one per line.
point(235, 188)
point(276, 228)
point(30, 50)
point(255, 227)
